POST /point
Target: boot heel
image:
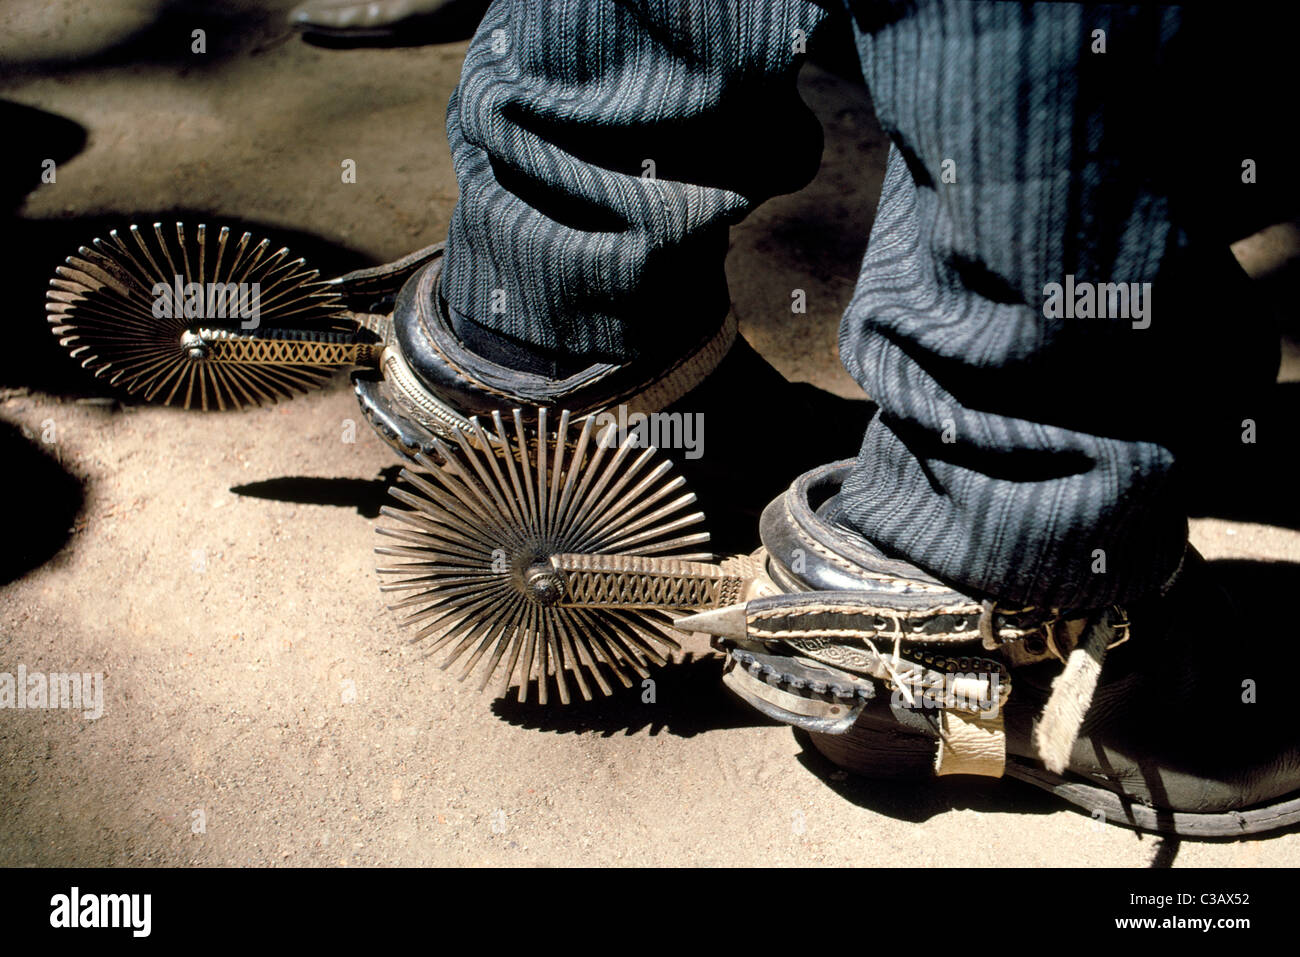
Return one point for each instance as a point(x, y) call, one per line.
point(872, 751)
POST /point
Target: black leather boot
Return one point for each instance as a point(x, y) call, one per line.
point(1168, 716)
point(431, 382)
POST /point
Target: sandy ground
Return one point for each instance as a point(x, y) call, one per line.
point(261, 706)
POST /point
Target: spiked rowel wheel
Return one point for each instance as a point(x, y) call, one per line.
point(205, 320)
point(547, 554)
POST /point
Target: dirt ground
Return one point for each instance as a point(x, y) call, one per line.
point(261, 705)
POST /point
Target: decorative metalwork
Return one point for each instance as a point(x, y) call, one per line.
point(214, 324)
point(506, 523)
point(621, 581)
point(292, 347)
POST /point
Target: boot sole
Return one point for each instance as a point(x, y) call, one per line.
point(1127, 813)
point(875, 752)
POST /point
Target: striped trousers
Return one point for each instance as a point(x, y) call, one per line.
point(1045, 294)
